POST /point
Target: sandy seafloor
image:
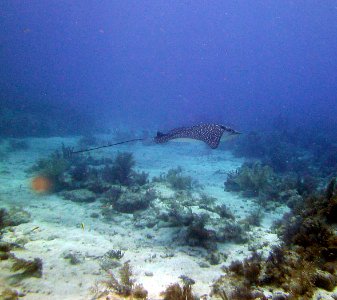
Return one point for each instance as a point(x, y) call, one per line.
point(60, 230)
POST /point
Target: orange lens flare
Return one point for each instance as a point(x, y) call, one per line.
point(41, 184)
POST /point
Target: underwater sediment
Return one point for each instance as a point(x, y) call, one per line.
point(117, 226)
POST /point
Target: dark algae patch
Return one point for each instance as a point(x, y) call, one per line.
point(306, 259)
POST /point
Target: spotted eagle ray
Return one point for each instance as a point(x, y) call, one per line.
point(211, 134)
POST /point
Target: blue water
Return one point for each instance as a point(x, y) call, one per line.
point(83, 74)
point(160, 64)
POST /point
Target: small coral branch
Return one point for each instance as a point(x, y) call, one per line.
point(176, 291)
point(125, 286)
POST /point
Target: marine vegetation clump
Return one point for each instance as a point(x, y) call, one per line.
point(330, 211)
point(111, 259)
point(79, 172)
point(5, 249)
point(177, 215)
point(241, 292)
point(122, 172)
point(201, 228)
point(28, 268)
point(176, 180)
point(107, 264)
point(308, 224)
point(231, 232)
point(21, 269)
point(67, 172)
point(224, 212)
point(305, 232)
point(178, 291)
point(306, 185)
point(252, 180)
point(9, 294)
point(305, 260)
point(74, 257)
point(124, 286)
point(261, 182)
point(199, 225)
point(140, 179)
point(113, 194)
point(114, 254)
point(54, 167)
point(3, 213)
point(249, 269)
point(254, 218)
point(245, 278)
point(276, 266)
point(199, 236)
point(206, 201)
point(13, 217)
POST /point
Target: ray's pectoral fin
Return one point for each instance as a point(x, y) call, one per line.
point(213, 140)
point(159, 134)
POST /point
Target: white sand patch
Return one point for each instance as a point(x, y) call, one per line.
point(60, 230)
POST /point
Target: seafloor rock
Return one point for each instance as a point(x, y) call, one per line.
point(80, 195)
point(130, 202)
point(98, 186)
point(280, 296)
point(142, 220)
point(13, 217)
point(75, 257)
point(324, 280)
point(29, 268)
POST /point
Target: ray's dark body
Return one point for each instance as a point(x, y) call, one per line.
point(209, 133)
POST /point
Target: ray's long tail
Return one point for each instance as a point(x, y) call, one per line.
point(106, 146)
